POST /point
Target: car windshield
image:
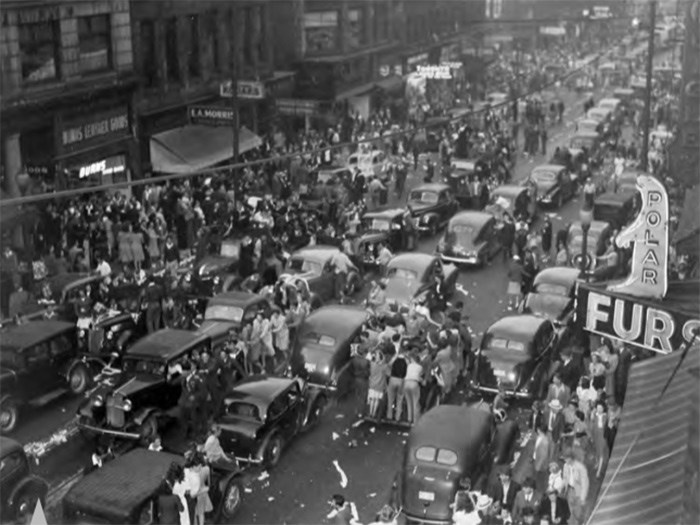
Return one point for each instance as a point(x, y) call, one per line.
point(299, 264)
point(428, 197)
point(242, 409)
point(581, 142)
point(543, 176)
point(402, 273)
point(230, 249)
point(143, 366)
point(319, 339)
point(552, 289)
point(498, 343)
point(379, 225)
point(441, 456)
point(224, 312)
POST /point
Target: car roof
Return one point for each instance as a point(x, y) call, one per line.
point(260, 390)
point(522, 327)
point(242, 299)
point(509, 190)
point(549, 167)
point(339, 319)
point(620, 197)
point(415, 261)
point(478, 218)
point(562, 275)
point(609, 100)
point(586, 134)
point(121, 485)
point(431, 186)
point(28, 334)
point(384, 214)
point(452, 427)
point(9, 446)
point(596, 226)
point(319, 253)
point(165, 344)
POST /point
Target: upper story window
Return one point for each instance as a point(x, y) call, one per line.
point(194, 64)
point(95, 40)
point(321, 31)
point(355, 32)
point(149, 67)
point(381, 14)
point(213, 33)
point(172, 62)
point(39, 45)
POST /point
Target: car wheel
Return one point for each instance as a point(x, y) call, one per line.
point(25, 505)
point(78, 379)
point(146, 514)
point(148, 429)
point(353, 284)
point(231, 499)
point(273, 451)
point(9, 416)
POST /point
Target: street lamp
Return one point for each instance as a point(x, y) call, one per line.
point(586, 217)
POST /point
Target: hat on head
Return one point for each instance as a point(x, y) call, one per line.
point(555, 404)
point(483, 502)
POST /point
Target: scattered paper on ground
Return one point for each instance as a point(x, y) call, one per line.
point(343, 477)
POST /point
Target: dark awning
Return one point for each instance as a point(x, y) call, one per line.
point(195, 147)
point(652, 473)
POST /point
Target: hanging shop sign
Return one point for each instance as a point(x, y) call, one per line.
point(643, 323)
point(450, 53)
point(552, 31)
point(297, 107)
point(247, 89)
point(85, 131)
point(414, 61)
point(108, 166)
point(601, 12)
point(440, 72)
point(648, 235)
point(210, 115)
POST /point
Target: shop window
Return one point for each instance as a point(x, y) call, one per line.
point(95, 41)
point(172, 62)
point(321, 31)
point(193, 63)
point(355, 32)
point(149, 64)
point(38, 46)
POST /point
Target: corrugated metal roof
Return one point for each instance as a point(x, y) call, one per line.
point(651, 480)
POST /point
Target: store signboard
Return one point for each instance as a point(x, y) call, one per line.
point(210, 115)
point(247, 89)
point(552, 31)
point(107, 166)
point(297, 107)
point(441, 72)
point(417, 60)
point(83, 131)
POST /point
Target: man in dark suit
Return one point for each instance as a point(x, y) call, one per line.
point(570, 370)
point(553, 419)
point(526, 498)
point(554, 509)
point(505, 489)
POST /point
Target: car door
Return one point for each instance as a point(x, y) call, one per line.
point(61, 353)
point(326, 282)
point(40, 370)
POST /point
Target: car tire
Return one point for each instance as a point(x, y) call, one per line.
point(231, 500)
point(273, 451)
point(79, 379)
point(25, 504)
point(9, 416)
point(353, 284)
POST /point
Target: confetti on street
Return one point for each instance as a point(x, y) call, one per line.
point(343, 477)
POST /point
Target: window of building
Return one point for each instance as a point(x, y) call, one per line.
point(321, 31)
point(213, 32)
point(193, 63)
point(149, 64)
point(355, 32)
point(381, 13)
point(95, 40)
point(248, 25)
point(172, 63)
point(38, 47)
point(262, 42)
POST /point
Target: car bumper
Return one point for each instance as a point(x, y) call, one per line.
point(494, 390)
point(109, 432)
point(427, 521)
point(460, 259)
point(423, 228)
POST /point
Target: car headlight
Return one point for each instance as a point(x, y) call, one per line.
point(98, 401)
point(512, 376)
point(127, 406)
point(217, 280)
point(110, 334)
point(82, 333)
point(202, 270)
point(326, 369)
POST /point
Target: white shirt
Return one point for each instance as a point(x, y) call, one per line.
point(104, 269)
point(413, 372)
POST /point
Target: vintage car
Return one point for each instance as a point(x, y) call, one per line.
point(432, 204)
point(263, 414)
point(619, 209)
point(387, 226)
point(517, 351)
point(627, 181)
point(34, 363)
point(126, 489)
point(231, 310)
point(139, 402)
point(312, 265)
point(597, 238)
point(471, 238)
point(600, 114)
point(592, 142)
point(466, 182)
point(326, 182)
point(613, 104)
point(554, 184)
point(410, 277)
point(447, 444)
point(588, 125)
point(624, 95)
point(552, 297)
point(321, 351)
point(19, 488)
point(371, 163)
point(520, 202)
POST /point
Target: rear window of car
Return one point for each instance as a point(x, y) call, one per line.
point(497, 343)
point(230, 249)
point(552, 289)
point(319, 339)
point(402, 273)
point(247, 410)
point(441, 456)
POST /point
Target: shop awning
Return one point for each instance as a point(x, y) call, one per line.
point(652, 475)
point(195, 147)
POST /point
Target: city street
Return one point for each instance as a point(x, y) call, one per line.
point(372, 464)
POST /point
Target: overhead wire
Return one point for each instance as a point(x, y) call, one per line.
point(67, 194)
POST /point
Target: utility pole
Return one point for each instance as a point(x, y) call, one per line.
point(235, 106)
point(647, 93)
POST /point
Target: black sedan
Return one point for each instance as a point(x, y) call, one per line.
point(552, 297)
point(517, 351)
point(554, 184)
point(432, 205)
point(263, 414)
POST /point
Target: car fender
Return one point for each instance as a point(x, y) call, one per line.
point(229, 281)
point(260, 453)
point(142, 414)
point(30, 482)
point(429, 218)
point(313, 397)
point(93, 365)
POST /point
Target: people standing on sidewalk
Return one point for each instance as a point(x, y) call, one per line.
point(577, 485)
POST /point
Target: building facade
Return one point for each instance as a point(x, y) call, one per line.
point(67, 95)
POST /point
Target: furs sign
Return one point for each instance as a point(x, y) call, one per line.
point(640, 323)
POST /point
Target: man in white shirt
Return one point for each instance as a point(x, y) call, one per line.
point(103, 267)
point(342, 265)
point(577, 485)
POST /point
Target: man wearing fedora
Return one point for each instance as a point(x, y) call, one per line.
point(553, 419)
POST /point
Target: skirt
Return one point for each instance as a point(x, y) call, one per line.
point(514, 288)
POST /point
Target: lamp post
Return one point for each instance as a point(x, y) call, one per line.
point(586, 217)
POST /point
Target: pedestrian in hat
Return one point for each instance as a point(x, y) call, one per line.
point(515, 278)
point(554, 419)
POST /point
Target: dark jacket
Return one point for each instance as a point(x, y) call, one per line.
point(497, 494)
point(561, 511)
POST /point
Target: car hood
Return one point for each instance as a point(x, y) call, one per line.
point(550, 306)
point(211, 263)
point(418, 208)
point(401, 291)
point(136, 384)
point(216, 328)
